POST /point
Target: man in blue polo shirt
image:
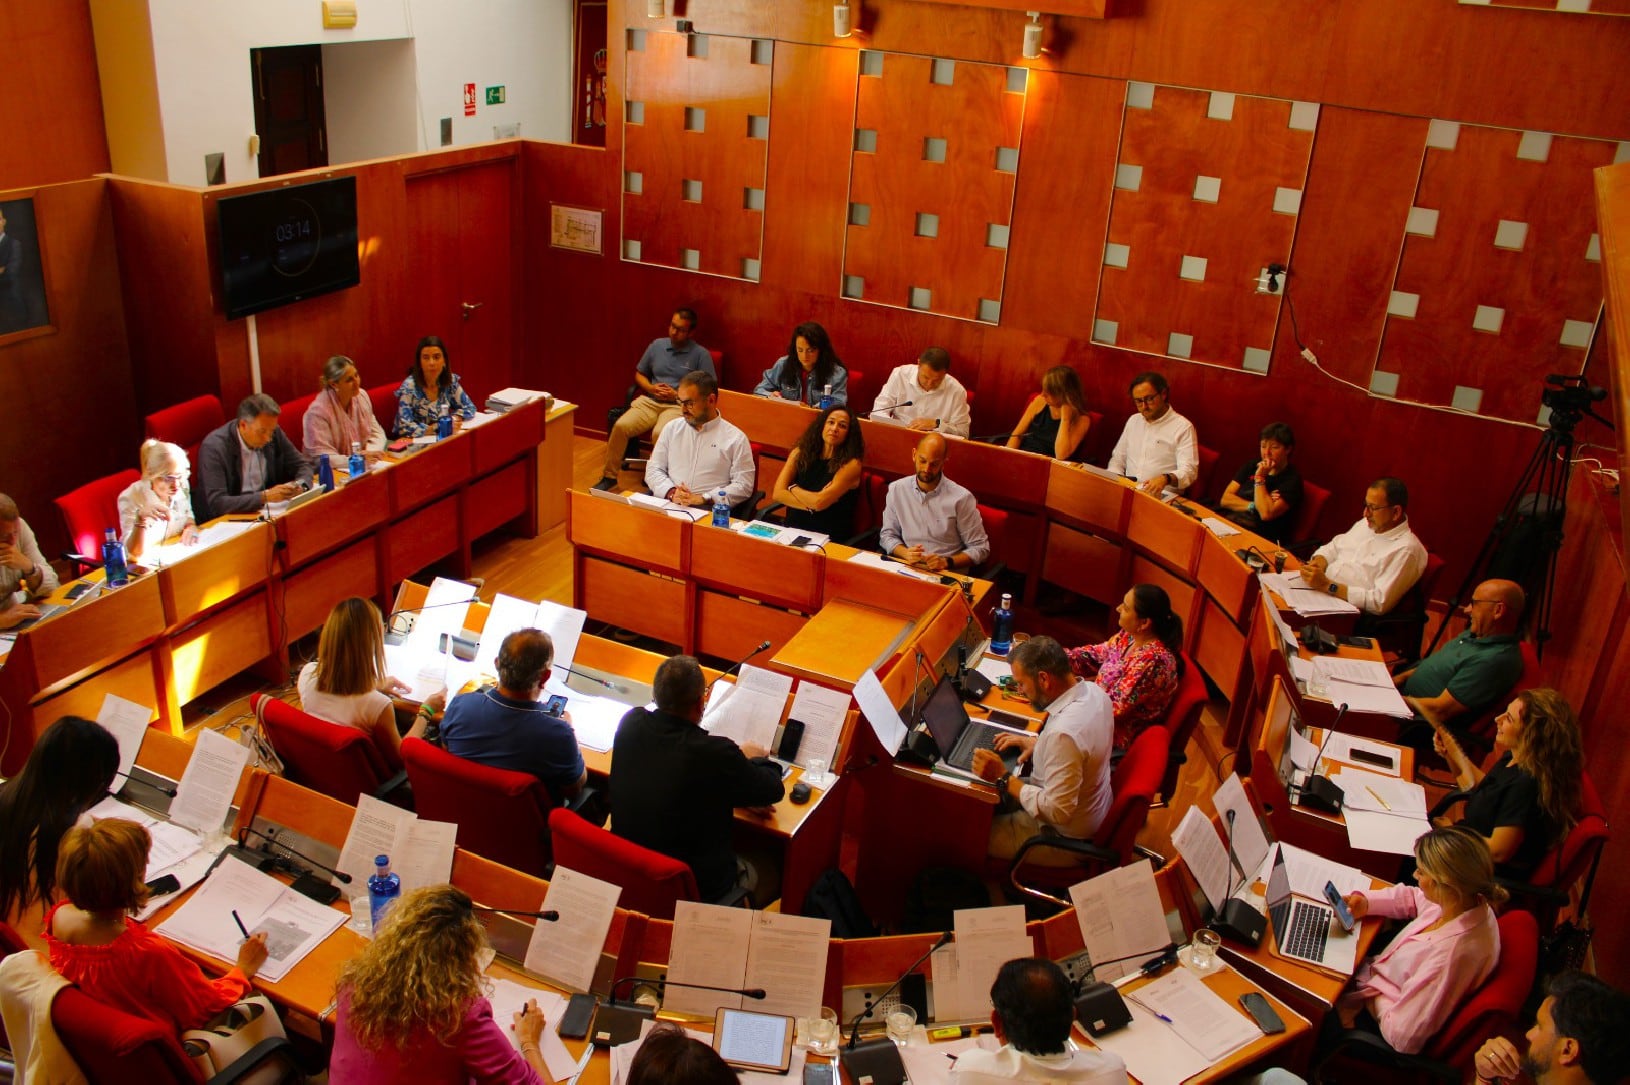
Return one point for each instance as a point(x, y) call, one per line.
point(662, 366)
point(508, 729)
point(1475, 671)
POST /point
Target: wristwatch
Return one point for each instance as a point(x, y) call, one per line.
point(1331, 587)
point(1003, 780)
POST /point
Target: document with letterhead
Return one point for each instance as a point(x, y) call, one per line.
point(204, 794)
point(749, 709)
point(1122, 922)
point(822, 712)
point(986, 939)
point(127, 722)
point(421, 851)
point(737, 948)
point(567, 951)
point(293, 924)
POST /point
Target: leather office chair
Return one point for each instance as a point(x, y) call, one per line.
point(1182, 719)
point(501, 815)
point(1304, 526)
point(89, 511)
point(341, 762)
point(1491, 1010)
point(1134, 783)
point(1201, 489)
point(383, 399)
point(1399, 632)
point(187, 424)
point(996, 530)
point(651, 882)
point(292, 419)
point(115, 1048)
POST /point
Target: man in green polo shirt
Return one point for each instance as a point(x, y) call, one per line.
point(1475, 671)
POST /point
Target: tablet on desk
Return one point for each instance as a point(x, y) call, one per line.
point(753, 1041)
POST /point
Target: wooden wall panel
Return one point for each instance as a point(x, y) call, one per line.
point(53, 99)
point(803, 233)
point(1453, 263)
point(71, 418)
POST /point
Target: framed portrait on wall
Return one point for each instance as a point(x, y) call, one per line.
point(23, 309)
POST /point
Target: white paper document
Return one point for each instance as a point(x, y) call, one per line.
point(867, 557)
point(986, 939)
point(748, 710)
point(1122, 923)
point(294, 924)
point(738, 948)
point(593, 719)
point(174, 550)
point(1306, 601)
point(423, 673)
point(1359, 672)
point(1199, 1015)
point(127, 722)
point(822, 712)
point(1383, 813)
point(204, 795)
point(879, 711)
point(1219, 527)
point(1309, 871)
point(508, 997)
point(421, 852)
point(1341, 747)
point(1152, 1052)
point(1202, 850)
point(565, 628)
point(507, 615)
point(1377, 700)
point(171, 844)
point(567, 951)
point(787, 958)
point(1250, 842)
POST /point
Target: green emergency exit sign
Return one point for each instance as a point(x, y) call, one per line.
point(495, 95)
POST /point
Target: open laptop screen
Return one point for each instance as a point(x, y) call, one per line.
point(944, 716)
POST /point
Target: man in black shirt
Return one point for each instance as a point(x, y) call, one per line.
point(675, 788)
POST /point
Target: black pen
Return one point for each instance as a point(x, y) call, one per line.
point(239, 921)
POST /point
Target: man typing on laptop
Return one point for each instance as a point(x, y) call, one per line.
point(1068, 788)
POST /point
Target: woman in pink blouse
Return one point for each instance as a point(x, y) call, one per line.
point(412, 1007)
point(1139, 666)
point(342, 413)
point(1450, 946)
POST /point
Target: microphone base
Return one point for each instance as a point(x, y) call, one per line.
point(316, 888)
point(975, 686)
point(878, 1060)
point(1323, 794)
point(1240, 922)
point(1101, 1010)
point(616, 1024)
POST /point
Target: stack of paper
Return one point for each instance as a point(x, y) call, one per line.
point(986, 939)
point(867, 557)
point(1219, 527)
point(421, 852)
point(737, 948)
point(822, 712)
point(293, 924)
point(1203, 1030)
point(748, 710)
point(567, 951)
point(508, 998)
point(204, 795)
point(1383, 813)
point(1122, 923)
point(1306, 601)
point(508, 399)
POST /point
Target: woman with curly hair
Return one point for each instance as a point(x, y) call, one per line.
point(820, 482)
point(1530, 797)
point(807, 369)
point(412, 1007)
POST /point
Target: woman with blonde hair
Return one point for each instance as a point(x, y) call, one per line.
point(1450, 947)
point(347, 684)
point(96, 943)
point(158, 506)
point(413, 1006)
point(1530, 797)
point(342, 414)
point(1055, 423)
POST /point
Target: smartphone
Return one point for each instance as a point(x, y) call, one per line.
point(167, 884)
point(555, 706)
point(1370, 757)
point(79, 589)
point(1356, 642)
point(574, 1023)
point(401, 444)
point(820, 1073)
point(1261, 1012)
point(1344, 914)
point(791, 736)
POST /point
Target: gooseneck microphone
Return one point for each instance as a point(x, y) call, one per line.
point(890, 407)
point(549, 916)
point(272, 840)
point(618, 1023)
point(879, 1059)
point(1321, 792)
point(162, 789)
point(1236, 919)
point(763, 646)
point(589, 677)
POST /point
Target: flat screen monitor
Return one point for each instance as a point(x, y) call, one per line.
point(282, 245)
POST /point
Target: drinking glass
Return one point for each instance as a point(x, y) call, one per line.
point(1203, 950)
point(902, 1019)
point(823, 1032)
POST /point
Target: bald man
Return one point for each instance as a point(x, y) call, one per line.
point(930, 520)
point(1472, 673)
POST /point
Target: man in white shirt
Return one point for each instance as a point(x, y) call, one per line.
point(925, 396)
point(1158, 448)
point(1032, 1010)
point(1376, 561)
point(692, 463)
point(929, 520)
point(1068, 788)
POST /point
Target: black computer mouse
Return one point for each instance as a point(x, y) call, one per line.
point(800, 793)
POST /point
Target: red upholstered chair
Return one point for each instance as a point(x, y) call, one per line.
point(1134, 783)
point(501, 815)
point(1491, 1010)
point(1574, 857)
point(1182, 718)
point(383, 399)
point(115, 1048)
point(10, 941)
point(292, 419)
point(1201, 489)
point(341, 762)
point(996, 530)
point(651, 882)
point(1399, 632)
point(89, 511)
point(187, 424)
point(1306, 521)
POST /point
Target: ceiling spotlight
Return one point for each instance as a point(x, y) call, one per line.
point(1032, 36)
point(656, 9)
point(843, 23)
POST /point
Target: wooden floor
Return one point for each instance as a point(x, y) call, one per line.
point(541, 568)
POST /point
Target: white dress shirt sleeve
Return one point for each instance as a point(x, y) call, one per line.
point(971, 526)
point(657, 479)
point(1117, 458)
point(1188, 457)
point(957, 418)
point(743, 473)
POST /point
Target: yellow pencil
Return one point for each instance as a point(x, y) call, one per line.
point(1384, 804)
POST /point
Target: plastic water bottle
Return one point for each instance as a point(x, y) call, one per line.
point(358, 466)
point(325, 474)
point(444, 424)
point(113, 560)
point(383, 890)
point(826, 398)
point(1001, 637)
point(721, 511)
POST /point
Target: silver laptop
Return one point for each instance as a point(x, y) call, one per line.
point(1305, 930)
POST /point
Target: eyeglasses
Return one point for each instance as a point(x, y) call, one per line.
point(1144, 401)
point(1376, 508)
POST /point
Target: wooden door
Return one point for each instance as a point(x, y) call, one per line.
point(289, 115)
point(465, 276)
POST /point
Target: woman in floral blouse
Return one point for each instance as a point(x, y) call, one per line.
point(430, 385)
point(1139, 666)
